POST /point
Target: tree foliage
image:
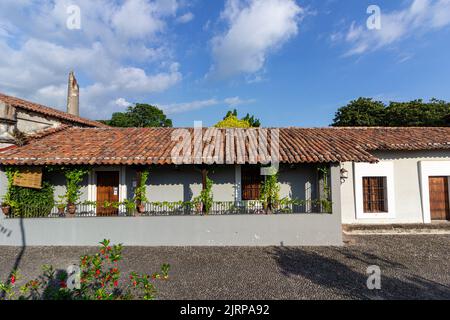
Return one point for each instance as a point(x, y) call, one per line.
point(367, 112)
point(140, 116)
point(231, 120)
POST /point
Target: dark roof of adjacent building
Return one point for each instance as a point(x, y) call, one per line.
point(50, 112)
point(143, 146)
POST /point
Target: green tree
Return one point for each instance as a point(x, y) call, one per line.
point(418, 113)
point(140, 116)
point(231, 120)
point(254, 123)
point(366, 112)
point(359, 113)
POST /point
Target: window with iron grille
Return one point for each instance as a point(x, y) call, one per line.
point(251, 182)
point(375, 194)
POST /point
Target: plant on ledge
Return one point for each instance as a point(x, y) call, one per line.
point(140, 191)
point(204, 201)
point(74, 177)
point(8, 203)
point(99, 279)
point(270, 193)
point(324, 201)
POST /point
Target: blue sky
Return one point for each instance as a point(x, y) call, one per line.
point(290, 63)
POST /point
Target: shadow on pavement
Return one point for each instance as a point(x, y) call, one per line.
point(349, 280)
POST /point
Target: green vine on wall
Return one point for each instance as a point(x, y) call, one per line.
point(74, 177)
point(325, 197)
point(140, 192)
point(206, 195)
point(269, 194)
point(28, 202)
point(11, 173)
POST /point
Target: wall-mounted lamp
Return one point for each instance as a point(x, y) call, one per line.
point(344, 175)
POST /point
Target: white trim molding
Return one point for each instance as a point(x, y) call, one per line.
point(380, 169)
point(237, 183)
point(430, 169)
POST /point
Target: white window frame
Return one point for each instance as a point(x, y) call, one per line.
point(380, 169)
point(430, 169)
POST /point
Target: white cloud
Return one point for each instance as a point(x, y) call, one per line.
point(188, 106)
point(200, 104)
point(185, 18)
point(236, 101)
point(121, 102)
point(137, 19)
point(119, 52)
point(420, 17)
point(254, 29)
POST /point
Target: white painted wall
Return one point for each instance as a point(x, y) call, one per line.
point(407, 189)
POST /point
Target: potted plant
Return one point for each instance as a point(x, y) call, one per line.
point(61, 205)
point(130, 206)
point(74, 176)
point(140, 192)
point(71, 209)
point(6, 207)
point(198, 204)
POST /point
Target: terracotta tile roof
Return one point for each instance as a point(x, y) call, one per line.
point(129, 146)
point(38, 108)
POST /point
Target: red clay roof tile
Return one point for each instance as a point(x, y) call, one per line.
point(38, 108)
point(142, 146)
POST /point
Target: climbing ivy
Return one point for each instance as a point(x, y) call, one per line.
point(270, 189)
point(141, 190)
point(74, 177)
point(28, 202)
point(206, 196)
point(325, 202)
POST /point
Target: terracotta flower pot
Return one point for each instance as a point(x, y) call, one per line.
point(61, 211)
point(199, 207)
point(6, 210)
point(71, 209)
point(140, 208)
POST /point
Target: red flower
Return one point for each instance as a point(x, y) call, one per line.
point(131, 277)
point(107, 257)
point(116, 283)
point(13, 279)
point(108, 248)
point(62, 284)
point(97, 272)
point(135, 283)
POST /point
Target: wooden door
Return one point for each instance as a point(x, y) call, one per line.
point(439, 202)
point(107, 191)
point(251, 182)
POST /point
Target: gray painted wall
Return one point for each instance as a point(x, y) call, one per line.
point(408, 206)
point(233, 230)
